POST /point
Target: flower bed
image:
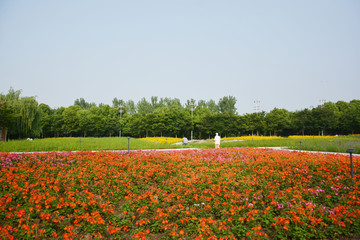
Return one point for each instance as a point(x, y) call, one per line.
point(224, 193)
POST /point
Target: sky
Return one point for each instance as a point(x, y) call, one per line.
point(284, 54)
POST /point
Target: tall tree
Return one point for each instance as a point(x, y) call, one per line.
point(117, 103)
point(227, 105)
point(28, 121)
point(156, 103)
point(85, 121)
point(171, 102)
point(202, 121)
point(278, 121)
point(57, 122)
point(130, 107)
point(255, 122)
point(45, 120)
point(144, 107)
point(71, 124)
point(84, 104)
point(301, 121)
point(202, 103)
point(354, 115)
point(327, 117)
point(7, 116)
point(212, 106)
point(11, 96)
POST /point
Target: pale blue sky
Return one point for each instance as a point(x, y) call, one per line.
point(287, 54)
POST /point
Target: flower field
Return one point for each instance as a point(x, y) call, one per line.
point(231, 193)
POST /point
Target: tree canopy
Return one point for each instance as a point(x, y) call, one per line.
point(24, 117)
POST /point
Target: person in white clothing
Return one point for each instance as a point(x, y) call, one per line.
point(185, 141)
point(217, 140)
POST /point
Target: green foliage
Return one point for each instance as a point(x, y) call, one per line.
point(168, 117)
point(83, 104)
point(71, 124)
point(278, 121)
point(326, 117)
point(6, 114)
point(25, 117)
point(227, 105)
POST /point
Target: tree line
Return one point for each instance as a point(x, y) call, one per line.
point(24, 117)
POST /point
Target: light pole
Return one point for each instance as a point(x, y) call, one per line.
point(351, 151)
point(128, 145)
point(322, 101)
point(257, 109)
point(120, 111)
point(192, 110)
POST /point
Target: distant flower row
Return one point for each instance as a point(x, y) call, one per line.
point(276, 137)
point(253, 138)
point(162, 139)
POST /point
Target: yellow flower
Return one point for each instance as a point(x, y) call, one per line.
point(309, 136)
point(162, 139)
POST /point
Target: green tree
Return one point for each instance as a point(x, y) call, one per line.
point(85, 121)
point(45, 120)
point(130, 107)
point(171, 102)
point(159, 120)
point(28, 124)
point(83, 104)
point(110, 120)
point(71, 124)
point(278, 121)
point(212, 106)
point(326, 117)
point(27, 112)
point(202, 103)
point(137, 126)
point(179, 121)
point(11, 96)
point(144, 107)
point(57, 122)
point(7, 116)
point(227, 105)
point(255, 123)
point(345, 112)
point(354, 116)
point(117, 103)
point(155, 103)
point(97, 118)
point(302, 121)
point(202, 121)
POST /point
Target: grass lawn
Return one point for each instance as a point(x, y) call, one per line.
point(316, 143)
point(81, 144)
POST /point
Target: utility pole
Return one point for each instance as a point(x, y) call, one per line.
point(257, 109)
point(192, 110)
point(120, 111)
